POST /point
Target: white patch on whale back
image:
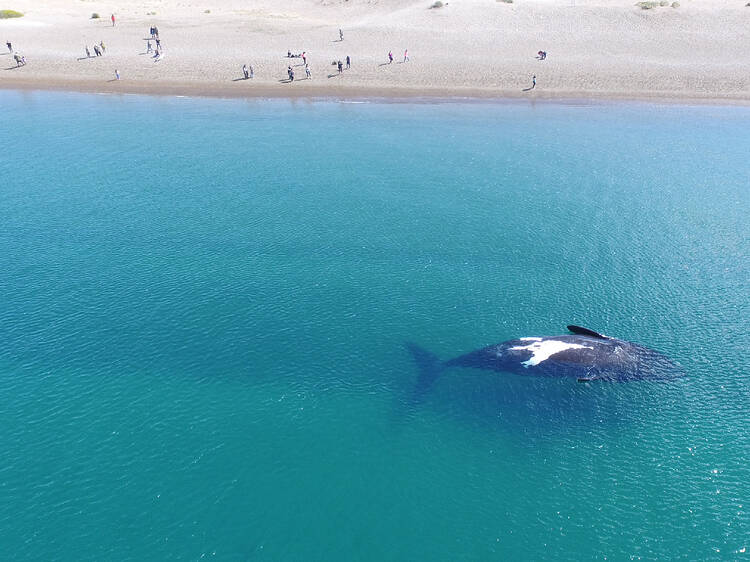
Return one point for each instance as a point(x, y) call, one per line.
point(544, 349)
point(530, 339)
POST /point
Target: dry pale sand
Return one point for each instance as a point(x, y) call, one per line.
point(474, 48)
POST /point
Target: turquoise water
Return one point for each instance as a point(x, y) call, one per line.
point(204, 305)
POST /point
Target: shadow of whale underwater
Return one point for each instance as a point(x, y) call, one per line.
point(584, 355)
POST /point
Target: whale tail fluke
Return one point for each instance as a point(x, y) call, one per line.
point(430, 367)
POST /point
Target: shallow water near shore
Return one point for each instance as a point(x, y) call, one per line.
point(204, 305)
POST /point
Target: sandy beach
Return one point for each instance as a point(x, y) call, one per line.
point(466, 48)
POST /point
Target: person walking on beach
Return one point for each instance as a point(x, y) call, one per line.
point(406, 55)
point(348, 62)
point(533, 82)
point(307, 71)
point(117, 74)
point(304, 57)
point(341, 67)
point(158, 43)
point(88, 53)
point(113, 20)
point(390, 57)
point(101, 44)
point(148, 47)
point(341, 35)
point(252, 72)
point(10, 47)
point(245, 73)
point(97, 51)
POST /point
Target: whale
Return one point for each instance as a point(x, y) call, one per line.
point(583, 355)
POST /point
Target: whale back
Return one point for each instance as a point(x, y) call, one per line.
point(583, 356)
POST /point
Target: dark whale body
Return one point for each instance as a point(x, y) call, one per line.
point(584, 355)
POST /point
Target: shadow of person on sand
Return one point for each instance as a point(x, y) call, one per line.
point(12, 67)
point(286, 81)
point(84, 58)
point(240, 79)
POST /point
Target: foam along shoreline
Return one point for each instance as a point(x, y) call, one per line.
point(475, 49)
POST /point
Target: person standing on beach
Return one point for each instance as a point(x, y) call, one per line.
point(252, 72)
point(10, 47)
point(101, 44)
point(348, 62)
point(341, 35)
point(148, 47)
point(533, 82)
point(307, 71)
point(117, 74)
point(406, 55)
point(158, 42)
point(113, 20)
point(88, 53)
point(390, 57)
point(245, 72)
point(341, 67)
point(304, 57)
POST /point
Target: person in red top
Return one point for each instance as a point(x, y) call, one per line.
point(113, 20)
